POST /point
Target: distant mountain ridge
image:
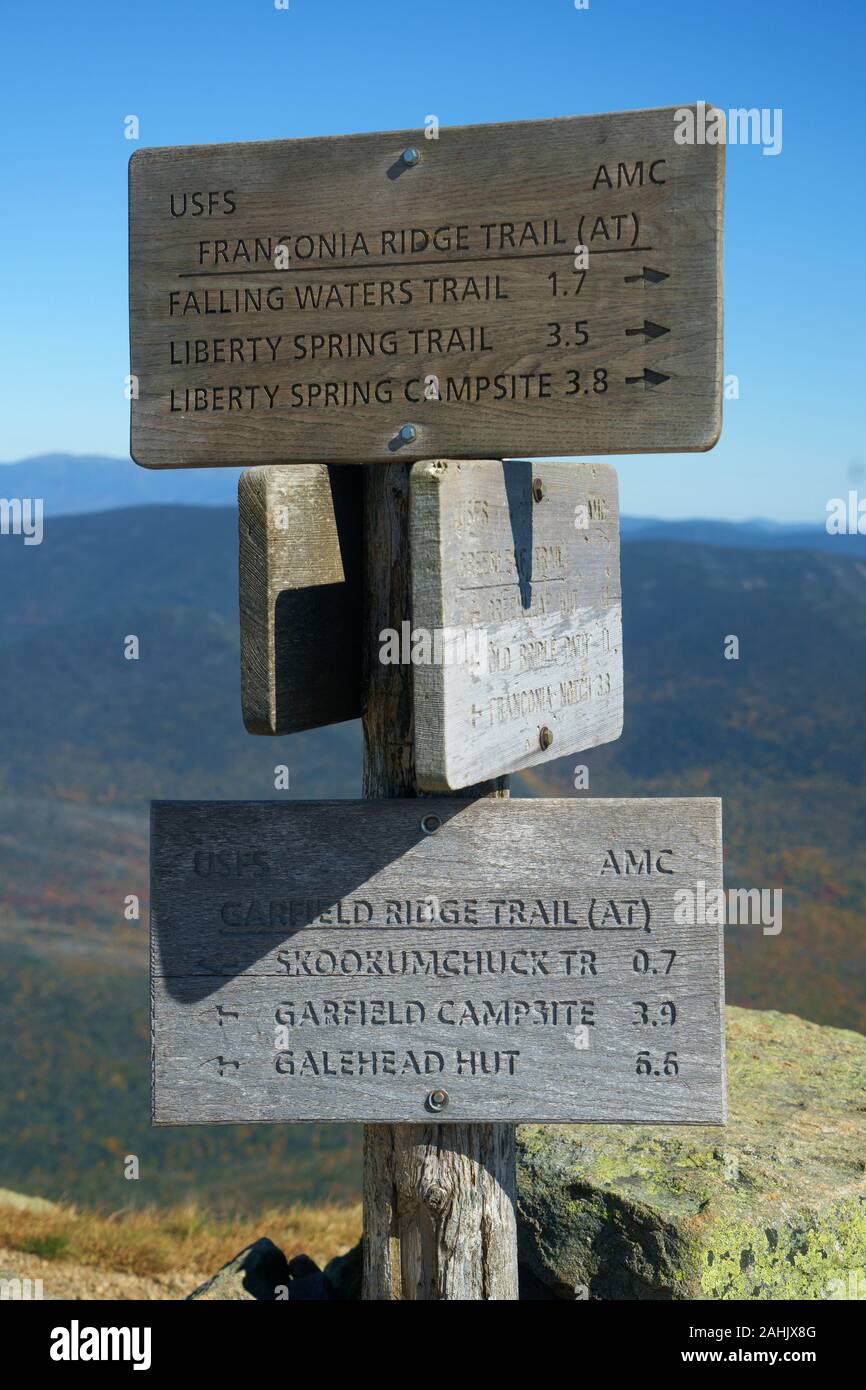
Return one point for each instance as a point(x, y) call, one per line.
point(73, 484)
point(70, 484)
point(90, 737)
point(742, 535)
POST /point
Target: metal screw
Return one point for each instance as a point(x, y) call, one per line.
point(411, 155)
point(407, 434)
point(437, 1100)
point(430, 824)
point(545, 737)
point(537, 489)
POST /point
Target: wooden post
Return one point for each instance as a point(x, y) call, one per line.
point(439, 1200)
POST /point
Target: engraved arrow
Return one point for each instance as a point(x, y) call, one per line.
point(220, 1015)
point(649, 330)
point(652, 277)
point(224, 1015)
point(648, 376)
point(222, 1064)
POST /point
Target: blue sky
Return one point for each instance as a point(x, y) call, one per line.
point(214, 70)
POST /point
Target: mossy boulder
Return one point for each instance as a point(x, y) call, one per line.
point(772, 1205)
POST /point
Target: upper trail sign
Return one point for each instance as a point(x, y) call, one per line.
point(537, 288)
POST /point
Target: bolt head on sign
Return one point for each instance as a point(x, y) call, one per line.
point(537, 287)
point(515, 960)
point(516, 589)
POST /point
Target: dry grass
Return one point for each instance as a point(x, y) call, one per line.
point(159, 1240)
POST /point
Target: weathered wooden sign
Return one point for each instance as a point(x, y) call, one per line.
point(300, 597)
point(540, 287)
point(473, 960)
point(515, 578)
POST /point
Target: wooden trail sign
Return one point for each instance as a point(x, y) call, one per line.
point(515, 577)
point(300, 597)
point(534, 288)
point(462, 960)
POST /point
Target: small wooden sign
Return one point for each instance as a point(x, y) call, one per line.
point(515, 578)
point(300, 597)
point(486, 960)
point(541, 287)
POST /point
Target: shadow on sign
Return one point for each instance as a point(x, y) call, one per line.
point(232, 881)
point(517, 474)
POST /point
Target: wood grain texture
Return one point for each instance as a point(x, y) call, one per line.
point(394, 275)
point(396, 962)
point(439, 1213)
point(300, 597)
point(516, 575)
point(432, 1194)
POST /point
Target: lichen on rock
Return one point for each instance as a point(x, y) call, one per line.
point(772, 1205)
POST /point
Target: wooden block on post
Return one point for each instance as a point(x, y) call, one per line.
point(300, 597)
point(516, 582)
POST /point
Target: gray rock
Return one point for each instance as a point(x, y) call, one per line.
point(308, 1281)
point(343, 1276)
point(22, 1202)
point(260, 1272)
point(771, 1206)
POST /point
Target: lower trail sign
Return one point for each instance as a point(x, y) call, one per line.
point(468, 960)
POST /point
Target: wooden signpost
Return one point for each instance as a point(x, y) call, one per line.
point(436, 961)
point(515, 574)
point(473, 960)
point(525, 288)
